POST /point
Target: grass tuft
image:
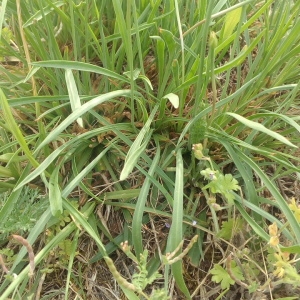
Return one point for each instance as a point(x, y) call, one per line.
point(155, 142)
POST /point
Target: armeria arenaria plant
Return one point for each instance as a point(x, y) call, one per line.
point(101, 104)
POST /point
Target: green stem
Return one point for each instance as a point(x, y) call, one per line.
point(213, 212)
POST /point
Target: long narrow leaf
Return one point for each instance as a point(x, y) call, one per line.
point(80, 219)
point(71, 260)
point(60, 236)
point(51, 158)
point(219, 104)
point(262, 128)
point(80, 66)
point(73, 183)
point(80, 111)
point(137, 148)
point(42, 167)
point(176, 231)
point(249, 220)
point(265, 215)
point(281, 202)
point(73, 94)
point(40, 15)
point(287, 119)
point(55, 198)
point(2, 14)
point(137, 238)
point(13, 127)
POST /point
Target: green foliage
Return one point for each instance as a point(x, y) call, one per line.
point(98, 91)
point(236, 271)
point(198, 131)
point(230, 228)
point(141, 278)
point(9, 255)
point(159, 295)
point(221, 275)
point(254, 286)
point(30, 206)
point(247, 273)
point(223, 184)
point(6, 36)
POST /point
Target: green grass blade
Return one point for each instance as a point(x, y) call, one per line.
point(7, 208)
point(4, 172)
point(80, 111)
point(15, 130)
point(2, 14)
point(281, 202)
point(287, 119)
point(220, 104)
point(137, 238)
point(42, 167)
point(71, 260)
point(76, 181)
point(42, 99)
point(160, 49)
point(55, 198)
point(265, 215)
point(137, 148)
point(80, 66)
point(33, 235)
point(241, 57)
point(73, 94)
point(39, 15)
point(81, 219)
point(176, 230)
point(262, 128)
point(258, 230)
point(245, 173)
point(232, 18)
point(50, 159)
point(38, 258)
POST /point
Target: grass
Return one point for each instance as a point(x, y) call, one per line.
point(158, 144)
